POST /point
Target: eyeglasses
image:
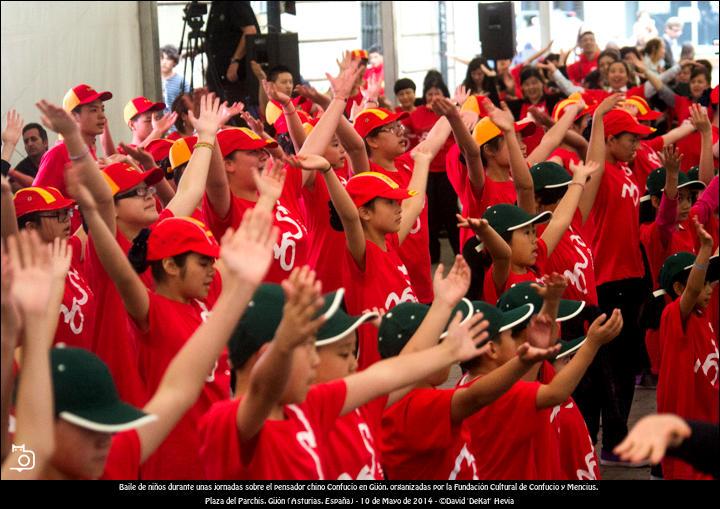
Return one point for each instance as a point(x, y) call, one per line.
point(142, 192)
point(61, 215)
point(398, 129)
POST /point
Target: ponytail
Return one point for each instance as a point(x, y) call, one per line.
point(138, 251)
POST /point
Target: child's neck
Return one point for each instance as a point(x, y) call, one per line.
point(168, 74)
point(496, 172)
point(384, 162)
point(129, 231)
point(517, 268)
point(169, 292)
point(376, 237)
point(244, 193)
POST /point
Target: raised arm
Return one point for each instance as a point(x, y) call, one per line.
point(270, 375)
point(499, 249)
point(413, 207)
point(667, 212)
point(294, 124)
point(696, 279)
point(565, 211)
point(133, 292)
point(10, 327)
point(7, 206)
point(160, 127)
point(565, 382)
point(247, 254)
point(555, 136)
point(677, 134)
point(701, 121)
point(10, 137)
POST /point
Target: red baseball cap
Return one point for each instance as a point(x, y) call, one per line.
point(559, 108)
point(359, 54)
point(39, 199)
point(365, 186)
point(177, 235)
point(123, 176)
point(83, 94)
point(241, 138)
point(140, 105)
point(181, 151)
point(643, 108)
point(486, 130)
point(620, 121)
point(159, 149)
point(714, 95)
point(373, 118)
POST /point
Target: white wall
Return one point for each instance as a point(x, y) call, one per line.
point(49, 47)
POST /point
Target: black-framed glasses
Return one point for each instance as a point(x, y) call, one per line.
point(142, 192)
point(61, 215)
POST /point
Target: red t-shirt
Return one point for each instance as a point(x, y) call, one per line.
point(53, 165)
point(352, 451)
point(657, 252)
point(578, 458)
point(615, 225)
point(174, 136)
point(420, 441)
point(419, 123)
point(288, 449)
point(573, 259)
point(292, 247)
point(77, 312)
point(584, 66)
point(567, 156)
point(688, 382)
point(504, 433)
point(123, 462)
point(384, 283)
point(326, 242)
point(647, 160)
point(690, 146)
point(415, 249)
point(533, 140)
point(534, 274)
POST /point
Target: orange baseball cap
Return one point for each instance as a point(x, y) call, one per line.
point(83, 94)
point(123, 176)
point(559, 108)
point(371, 119)
point(181, 151)
point(140, 105)
point(644, 110)
point(620, 121)
point(159, 149)
point(241, 138)
point(486, 130)
point(359, 54)
point(177, 235)
point(39, 199)
point(365, 186)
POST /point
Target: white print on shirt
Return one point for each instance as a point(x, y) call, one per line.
point(710, 363)
point(589, 474)
point(306, 439)
point(465, 456)
point(654, 159)
point(630, 189)
point(416, 227)
point(287, 241)
point(74, 316)
point(367, 473)
point(577, 276)
point(204, 315)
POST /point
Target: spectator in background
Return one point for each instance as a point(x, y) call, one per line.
point(172, 83)
point(644, 29)
point(654, 55)
point(376, 68)
point(404, 89)
point(35, 139)
point(673, 31)
point(588, 60)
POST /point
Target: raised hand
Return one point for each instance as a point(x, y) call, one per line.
point(56, 118)
point(705, 238)
point(227, 112)
point(32, 272)
point(466, 341)
point(609, 103)
point(372, 92)
point(532, 354)
point(548, 66)
point(253, 123)
point(11, 317)
point(487, 71)
point(13, 128)
point(671, 157)
point(501, 117)
point(541, 117)
point(210, 119)
point(601, 333)
point(553, 287)
point(699, 118)
point(273, 93)
point(445, 108)
point(308, 92)
point(539, 331)
point(270, 183)
point(163, 124)
point(651, 436)
point(344, 63)
point(248, 252)
point(303, 299)
point(582, 172)
point(309, 162)
point(461, 95)
point(343, 85)
point(453, 287)
point(60, 258)
point(142, 156)
point(479, 226)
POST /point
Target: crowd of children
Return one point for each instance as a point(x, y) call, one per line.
point(223, 303)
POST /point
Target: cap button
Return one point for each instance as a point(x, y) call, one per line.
point(61, 367)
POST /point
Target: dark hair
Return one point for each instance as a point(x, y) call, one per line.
point(652, 46)
point(700, 70)
point(179, 107)
point(404, 83)
point(435, 82)
point(593, 80)
point(626, 50)
point(23, 220)
point(371, 134)
point(507, 236)
point(170, 52)
point(375, 48)
point(41, 130)
point(241, 346)
point(493, 144)
point(613, 53)
point(138, 257)
point(530, 72)
point(178, 173)
point(277, 70)
point(552, 195)
point(468, 82)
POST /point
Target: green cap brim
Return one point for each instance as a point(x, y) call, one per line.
point(340, 325)
point(570, 347)
point(569, 309)
point(540, 218)
point(466, 308)
point(111, 419)
point(516, 316)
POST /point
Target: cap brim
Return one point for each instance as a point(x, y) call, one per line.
point(152, 177)
point(540, 218)
point(398, 194)
point(466, 308)
point(693, 184)
point(525, 127)
point(556, 186)
point(111, 419)
point(340, 325)
point(102, 96)
point(570, 347)
point(516, 316)
point(569, 309)
point(650, 115)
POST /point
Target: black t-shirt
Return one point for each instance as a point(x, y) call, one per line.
point(224, 30)
point(27, 167)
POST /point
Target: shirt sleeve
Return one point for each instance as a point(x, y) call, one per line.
point(707, 203)
point(431, 407)
point(123, 462)
point(324, 403)
point(666, 218)
point(218, 225)
point(701, 449)
point(52, 169)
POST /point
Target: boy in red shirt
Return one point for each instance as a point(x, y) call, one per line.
point(138, 115)
point(588, 60)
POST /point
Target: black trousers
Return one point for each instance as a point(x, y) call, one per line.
point(608, 387)
point(442, 207)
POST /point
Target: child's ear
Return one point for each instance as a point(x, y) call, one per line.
point(655, 201)
point(170, 267)
point(228, 166)
point(364, 213)
point(678, 288)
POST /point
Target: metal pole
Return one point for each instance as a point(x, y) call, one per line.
point(387, 17)
point(545, 23)
point(442, 35)
point(273, 17)
point(150, 50)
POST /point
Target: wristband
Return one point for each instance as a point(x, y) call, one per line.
point(326, 170)
point(343, 99)
point(236, 61)
point(700, 266)
point(577, 184)
point(205, 144)
point(76, 158)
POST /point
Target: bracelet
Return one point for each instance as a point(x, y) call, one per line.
point(700, 266)
point(205, 144)
point(75, 158)
point(291, 112)
point(577, 184)
point(343, 99)
point(326, 170)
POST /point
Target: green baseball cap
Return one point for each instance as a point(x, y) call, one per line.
point(656, 183)
point(694, 173)
point(259, 322)
point(570, 347)
point(85, 393)
point(549, 175)
point(339, 324)
point(500, 321)
point(523, 293)
point(401, 322)
point(677, 267)
point(506, 218)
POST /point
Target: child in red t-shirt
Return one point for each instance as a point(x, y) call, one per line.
point(688, 381)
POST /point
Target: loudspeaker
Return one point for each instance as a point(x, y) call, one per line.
point(270, 50)
point(497, 30)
